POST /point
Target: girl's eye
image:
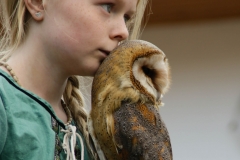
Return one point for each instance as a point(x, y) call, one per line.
point(107, 7)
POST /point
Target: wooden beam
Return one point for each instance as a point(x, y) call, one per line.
point(165, 11)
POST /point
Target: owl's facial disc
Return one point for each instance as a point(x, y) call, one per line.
point(152, 73)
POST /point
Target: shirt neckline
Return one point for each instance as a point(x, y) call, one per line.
point(32, 95)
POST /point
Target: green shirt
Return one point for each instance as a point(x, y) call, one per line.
point(26, 125)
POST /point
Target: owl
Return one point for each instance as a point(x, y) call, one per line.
point(124, 121)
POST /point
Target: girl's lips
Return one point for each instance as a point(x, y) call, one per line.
point(105, 52)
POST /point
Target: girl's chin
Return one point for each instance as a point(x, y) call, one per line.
point(92, 72)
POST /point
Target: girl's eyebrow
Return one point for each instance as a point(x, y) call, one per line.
point(131, 11)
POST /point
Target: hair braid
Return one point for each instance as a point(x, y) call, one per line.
point(73, 99)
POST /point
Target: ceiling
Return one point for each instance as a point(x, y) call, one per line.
point(175, 11)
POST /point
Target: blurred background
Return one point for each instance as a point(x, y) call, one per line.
point(201, 39)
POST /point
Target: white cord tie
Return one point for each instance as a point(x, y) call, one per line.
point(69, 142)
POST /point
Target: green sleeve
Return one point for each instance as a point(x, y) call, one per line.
point(3, 126)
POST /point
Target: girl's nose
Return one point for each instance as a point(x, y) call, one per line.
point(119, 31)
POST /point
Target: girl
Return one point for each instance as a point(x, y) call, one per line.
point(44, 43)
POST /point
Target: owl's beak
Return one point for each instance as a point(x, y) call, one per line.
point(159, 96)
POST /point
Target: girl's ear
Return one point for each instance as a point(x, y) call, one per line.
point(35, 8)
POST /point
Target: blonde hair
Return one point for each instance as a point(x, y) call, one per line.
point(14, 18)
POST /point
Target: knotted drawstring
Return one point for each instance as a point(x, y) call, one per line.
point(70, 138)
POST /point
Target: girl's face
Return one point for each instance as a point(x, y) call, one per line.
point(79, 34)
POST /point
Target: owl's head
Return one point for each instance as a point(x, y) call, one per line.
point(150, 69)
point(136, 70)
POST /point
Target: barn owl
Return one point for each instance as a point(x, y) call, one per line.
point(126, 94)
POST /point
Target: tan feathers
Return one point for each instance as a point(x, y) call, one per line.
point(136, 72)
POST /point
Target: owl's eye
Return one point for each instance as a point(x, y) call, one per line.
point(107, 7)
point(148, 72)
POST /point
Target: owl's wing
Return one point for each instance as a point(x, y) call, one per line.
point(140, 133)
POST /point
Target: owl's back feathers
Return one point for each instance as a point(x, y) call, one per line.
point(141, 133)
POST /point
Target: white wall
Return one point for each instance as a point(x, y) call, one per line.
point(202, 108)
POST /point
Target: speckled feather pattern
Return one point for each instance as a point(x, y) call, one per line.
point(118, 97)
point(140, 133)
